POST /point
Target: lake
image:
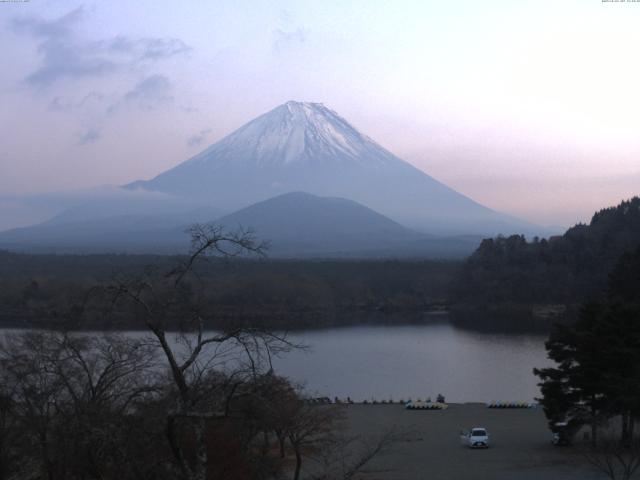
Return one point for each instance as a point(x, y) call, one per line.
point(413, 361)
point(416, 361)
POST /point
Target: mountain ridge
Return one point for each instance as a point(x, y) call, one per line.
point(296, 225)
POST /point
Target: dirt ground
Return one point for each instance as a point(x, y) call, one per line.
point(520, 444)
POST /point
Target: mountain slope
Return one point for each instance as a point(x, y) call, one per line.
point(299, 223)
point(302, 225)
point(307, 147)
point(117, 234)
point(104, 227)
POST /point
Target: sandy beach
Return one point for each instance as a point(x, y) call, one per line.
point(520, 444)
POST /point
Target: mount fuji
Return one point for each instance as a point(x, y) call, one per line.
point(309, 148)
point(302, 177)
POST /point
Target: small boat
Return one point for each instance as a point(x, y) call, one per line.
point(420, 405)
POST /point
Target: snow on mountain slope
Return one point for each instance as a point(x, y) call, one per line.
point(308, 147)
point(295, 132)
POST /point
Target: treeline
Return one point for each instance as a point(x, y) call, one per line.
point(38, 289)
point(508, 283)
point(512, 275)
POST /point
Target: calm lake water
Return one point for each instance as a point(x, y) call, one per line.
point(413, 361)
point(416, 361)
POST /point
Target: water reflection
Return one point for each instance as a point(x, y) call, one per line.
point(417, 361)
point(412, 361)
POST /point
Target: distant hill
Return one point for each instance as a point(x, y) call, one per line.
point(298, 222)
point(118, 234)
point(562, 270)
point(302, 225)
point(87, 229)
point(297, 225)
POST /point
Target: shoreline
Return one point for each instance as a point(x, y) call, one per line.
point(374, 319)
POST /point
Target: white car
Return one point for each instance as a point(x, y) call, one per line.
point(478, 437)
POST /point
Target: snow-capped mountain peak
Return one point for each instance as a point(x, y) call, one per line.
point(295, 132)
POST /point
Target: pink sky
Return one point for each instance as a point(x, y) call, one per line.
point(527, 107)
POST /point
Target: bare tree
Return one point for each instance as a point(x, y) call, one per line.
point(317, 432)
point(9, 432)
point(310, 429)
point(618, 460)
point(171, 300)
point(347, 457)
point(69, 395)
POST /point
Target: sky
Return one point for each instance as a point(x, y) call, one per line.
point(529, 107)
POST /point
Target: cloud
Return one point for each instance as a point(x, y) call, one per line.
point(285, 17)
point(188, 109)
point(63, 104)
point(196, 139)
point(145, 48)
point(159, 48)
point(65, 55)
point(150, 92)
point(94, 78)
point(61, 27)
point(286, 36)
point(62, 54)
point(91, 135)
point(284, 40)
